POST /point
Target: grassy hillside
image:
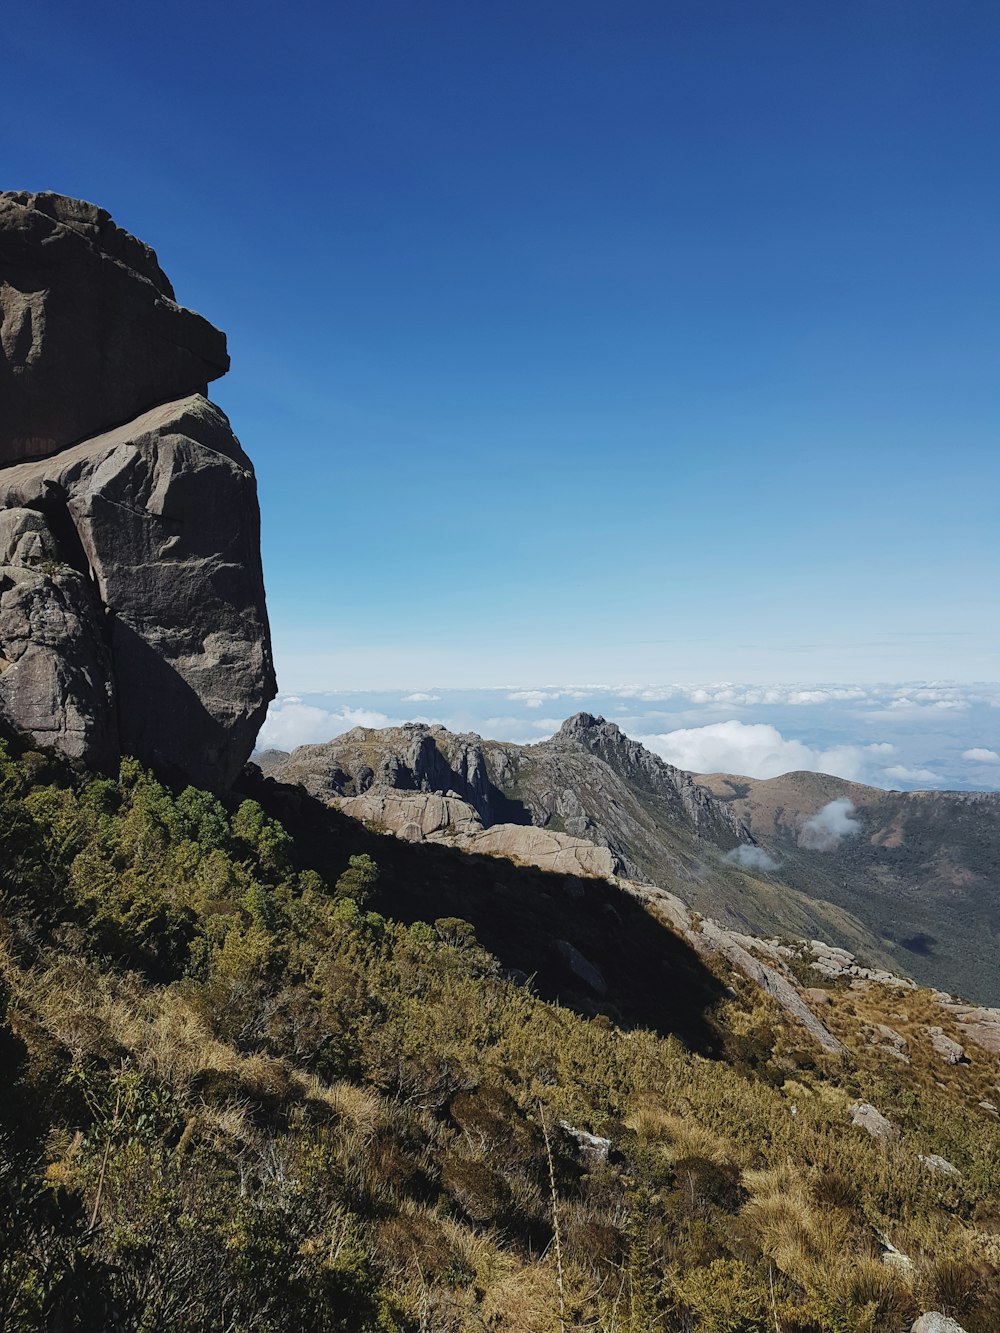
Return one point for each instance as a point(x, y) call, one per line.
point(237, 1097)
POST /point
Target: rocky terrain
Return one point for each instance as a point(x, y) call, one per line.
point(922, 868)
point(132, 613)
point(588, 781)
point(908, 880)
point(588, 787)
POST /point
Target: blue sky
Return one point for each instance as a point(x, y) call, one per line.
point(574, 342)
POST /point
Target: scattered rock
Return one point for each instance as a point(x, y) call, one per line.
point(949, 1051)
point(933, 1322)
point(939, 1164)
point(712, 938)
point(978, 1023)
point(581, 967)
point(893, 1258)
point(989, 1108)
point(866, 1117)
point(592, 1149)
point(891, 1041)
point(816, 995)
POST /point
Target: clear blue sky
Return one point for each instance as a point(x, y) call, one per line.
point(574, 341)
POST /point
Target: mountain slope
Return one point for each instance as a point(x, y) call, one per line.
point(922, 869)
point(238, 1101)
point(587, 781)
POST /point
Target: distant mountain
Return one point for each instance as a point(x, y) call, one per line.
point(921, 869)
point(589, 781)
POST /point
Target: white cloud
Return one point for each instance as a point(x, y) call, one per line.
point(751, 858)
point(823, 831)
point(418, 697)
point(726, 693)
point(752, 749)
point(880, 747)
point(900, 773)
point(979, 755)
point(290, 722)
point(533, 698)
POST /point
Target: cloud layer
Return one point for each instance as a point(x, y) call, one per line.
point(753, 750)
point(290, 722)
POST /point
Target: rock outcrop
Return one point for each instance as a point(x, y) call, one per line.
point(872, 1121)
point(132, 612)
point(979, 1024)
point(90, 333)
point(429, 817)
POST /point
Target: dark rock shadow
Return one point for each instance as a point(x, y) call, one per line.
point(162, 721)
point(524, 916)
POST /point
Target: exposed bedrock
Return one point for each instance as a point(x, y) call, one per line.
point(55, 670)
point(132, 611)
point(90, 333)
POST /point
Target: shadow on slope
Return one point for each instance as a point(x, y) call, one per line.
point(524, 916)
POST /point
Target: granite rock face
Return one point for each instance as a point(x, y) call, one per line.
point(132, 611)
point(90, 334)
point(426, 816)
point(55, 670)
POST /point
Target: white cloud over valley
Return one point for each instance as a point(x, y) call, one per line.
point(751, 858)
point(823, 831)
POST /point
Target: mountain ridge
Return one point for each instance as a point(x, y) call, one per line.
point(729, 847)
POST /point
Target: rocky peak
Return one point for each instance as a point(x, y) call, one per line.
point(132, 614)
point(647, 771)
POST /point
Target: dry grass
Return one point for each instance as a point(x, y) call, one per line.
point(678, 1135)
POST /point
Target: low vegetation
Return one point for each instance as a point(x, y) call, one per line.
point(236, 1098)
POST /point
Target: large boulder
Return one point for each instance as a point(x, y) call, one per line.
point(139, 625)
point(90, 333)
point(55, 668)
